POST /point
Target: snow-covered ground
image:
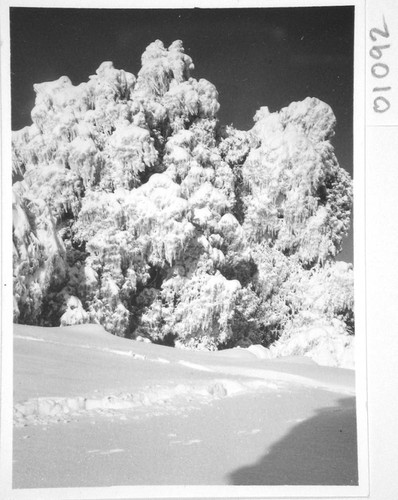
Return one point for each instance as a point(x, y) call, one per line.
point(92, 409)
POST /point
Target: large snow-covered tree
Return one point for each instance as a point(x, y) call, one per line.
point(135, 208)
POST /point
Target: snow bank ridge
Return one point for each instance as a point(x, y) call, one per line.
point(58, 409)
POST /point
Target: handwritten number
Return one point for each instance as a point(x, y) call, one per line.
point(381, 104)
point(380, 70)
point(376, 51)
point(377, 31)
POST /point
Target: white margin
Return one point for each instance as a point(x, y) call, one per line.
point(6, 262)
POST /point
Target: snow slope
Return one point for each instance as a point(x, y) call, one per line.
point(92, 409)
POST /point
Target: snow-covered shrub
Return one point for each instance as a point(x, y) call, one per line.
point(325, 293)
point(74, 314)
point(327, 343)
point(38, 255)
point(194, 311)
point(134, 208)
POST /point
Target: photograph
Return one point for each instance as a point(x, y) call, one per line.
point(183, 260)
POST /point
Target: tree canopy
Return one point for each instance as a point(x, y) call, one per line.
point(135, 208)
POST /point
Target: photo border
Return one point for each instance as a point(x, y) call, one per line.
point(224, 491)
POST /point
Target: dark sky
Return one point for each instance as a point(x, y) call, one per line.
point(255, 57)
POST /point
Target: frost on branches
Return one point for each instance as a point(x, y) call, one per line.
point(134, 208)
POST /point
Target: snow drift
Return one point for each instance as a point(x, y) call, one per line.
point(94, 409)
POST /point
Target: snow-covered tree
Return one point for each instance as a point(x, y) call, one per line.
point(299, 199)
point(136, 209)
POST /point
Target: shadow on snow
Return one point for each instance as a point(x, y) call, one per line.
point(319, 451)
